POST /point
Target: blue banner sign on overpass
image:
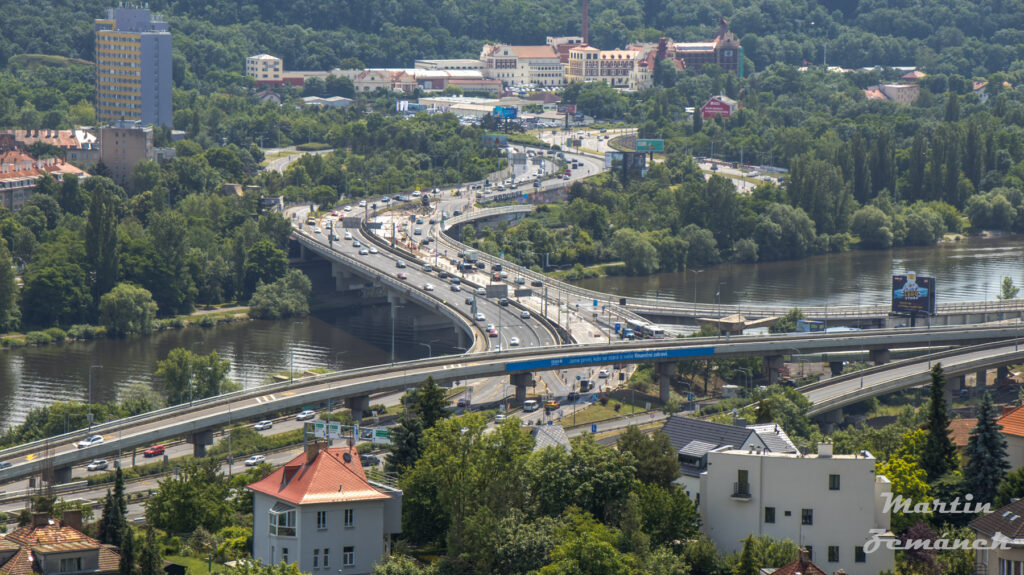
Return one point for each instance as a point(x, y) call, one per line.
point(602, 358)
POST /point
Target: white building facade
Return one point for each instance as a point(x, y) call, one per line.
point(320, 512)
point(826, 504)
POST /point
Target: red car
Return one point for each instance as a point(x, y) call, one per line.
point(154, 451)
point(402, 276)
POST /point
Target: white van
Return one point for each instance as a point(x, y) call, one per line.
point(530, 405)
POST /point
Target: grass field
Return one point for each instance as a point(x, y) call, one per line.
point(597, 412)
point(194, 565)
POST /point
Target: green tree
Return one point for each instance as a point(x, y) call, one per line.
point(406, 438)
point(1008, 290)
point(986, 454)
point(264, 263)
point(635, 251)
point(1010, 488)
point(395, 564)
point(430, 403)
point(747, 564)
point(656, 459)
point(9, 312)
point(112, 523)
point(150, 559)
point(101, 235)
point(188, 376)
point(127, 309)
point(197, 496)
point(667, 513)
point(940, 454)
point(787, 323)
point(873, 227)
point(126, 566)
point(587, 546)
point(285, 297)
point(908, 480)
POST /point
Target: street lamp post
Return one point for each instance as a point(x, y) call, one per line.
point(91, 367)
point(718, 298)
point(695, 272)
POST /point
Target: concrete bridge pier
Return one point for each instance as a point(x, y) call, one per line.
point(199, 441)
point(62, 475)
point(357, 405)
point(521, 381)
point(952, 389)
point(462, 338)
point(666, 371)
point(828, 421)
point(980, 380)
point(880, 356)
point(836, 367)
point(772, 365)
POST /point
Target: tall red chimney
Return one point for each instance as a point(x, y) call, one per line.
point(586, 22)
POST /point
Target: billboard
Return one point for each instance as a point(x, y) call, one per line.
point(913, 294)
point(506, 112)
point(497, 290)
point(650, 145)
point(566, 109)
point(494, 141)
point(630, 163)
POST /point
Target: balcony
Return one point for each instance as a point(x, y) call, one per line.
point(741, 490)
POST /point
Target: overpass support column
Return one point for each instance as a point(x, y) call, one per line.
point(463, 339)
point(62, 475)
point(829, 421)
point(880, 356)
point(980, 380)
point(952, 389)
point(357, 405)
point(666, 371)
point(521, 381)
point(199, 441)
point(836, 367)
point(772, 365)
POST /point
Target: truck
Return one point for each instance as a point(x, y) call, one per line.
point(471, 256)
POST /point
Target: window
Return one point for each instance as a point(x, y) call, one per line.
point(284, 554)
point(348, 556)
point(1007, 567)
point(833, 482)
point(858, 555)
point(769, 515)
point(321, 520)
point(833, 554)
point(282, 521)
point(316, 559)
point(349, 517)
point(807, 516)
point(326, 562)
point(70, 564)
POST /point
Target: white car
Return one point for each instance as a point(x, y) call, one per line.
point(355, 243)
point(316, 230)
point(362, 203)
point(363, 251)
point(416, 194)
point(348, 208)
point(603, 374)
point(90, 441)
point(481, 291)
point(525, 314)
point(428, 287)
point(348, 235)
point(489, 327)
point(500, 418)
point(456, 288)
point(480, 316)
point(263, 425)
point(513, 341)
point(255, 460)
point(305, 414)
point(96, 465)
point(373, 250)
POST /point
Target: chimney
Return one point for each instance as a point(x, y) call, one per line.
point(312, 449)
point(586, 22)
point(825, 449)
point(40, 519)
point(804, 559)
point(72, 518)
point(739, 421)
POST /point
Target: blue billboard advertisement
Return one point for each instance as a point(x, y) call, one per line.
point(613, 357)
point(913, 294)
point(506, 112)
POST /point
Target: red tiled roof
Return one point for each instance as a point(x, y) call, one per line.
point(53, 537)
point(543, 51)
point(1013, 422)
point(915, 75)
point(327, 479)
point(960, 430)
point(799, 567)
point(875, 94)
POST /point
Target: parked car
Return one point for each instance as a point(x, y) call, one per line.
point(263, 425)
point(90, 441)
point(153, 451)
point(305, 414)
point(96, 465)
point(369, 460)
point(255, 460)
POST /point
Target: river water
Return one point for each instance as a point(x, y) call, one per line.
point(969, 270)
point(339, 339)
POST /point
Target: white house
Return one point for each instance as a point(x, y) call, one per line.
point(321, 512)
point(827, 504)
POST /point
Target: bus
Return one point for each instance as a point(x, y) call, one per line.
point(644, 330)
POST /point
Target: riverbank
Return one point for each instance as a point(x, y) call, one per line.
point(85, 332)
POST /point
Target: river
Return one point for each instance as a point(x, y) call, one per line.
point(969, 270)
point(338, 339)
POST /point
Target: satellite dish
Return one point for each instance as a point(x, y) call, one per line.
point(347, 457)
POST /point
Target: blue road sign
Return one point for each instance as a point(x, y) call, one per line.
point(578, 377)
point(689, 397)
point(595, 303)
point(593, 428)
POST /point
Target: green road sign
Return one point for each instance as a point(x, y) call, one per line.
point(650, 145)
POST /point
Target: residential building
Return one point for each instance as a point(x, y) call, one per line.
point(693, 439)
point(523, 65)
point(80, 147)
point(51, 547)
point(830, 505)
point(550, 436)
point(133, 67)
point(723, 50)
point(331, 102)
point(562, 45)
point(19, 172)
point(1012, 422)
point(904, 94)
point(264, 68)
point(723, 106)
point(448, 65)
point(802, 566)
point(320, 511)
point(122, 146)
point(1008, 522)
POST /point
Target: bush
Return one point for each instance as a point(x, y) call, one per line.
point(38, 338)
point(85, 331)
point(603, 400)
point(286, 297)
point(56, 334)
point(312, 147)
point(207, 321)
